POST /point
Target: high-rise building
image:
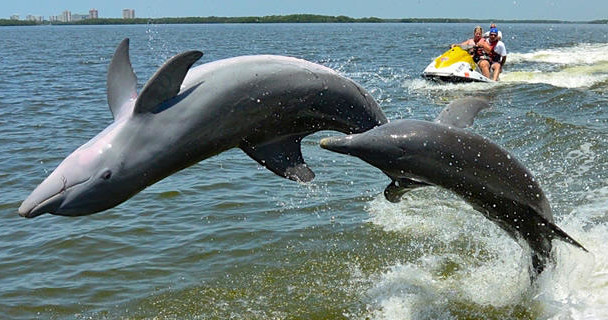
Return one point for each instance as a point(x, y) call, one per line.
point(128, 13)
point(37, 19)
point(93, 14)
point(66, 16)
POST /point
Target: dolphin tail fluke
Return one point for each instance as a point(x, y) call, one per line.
point(282, 156)
point(400, 186)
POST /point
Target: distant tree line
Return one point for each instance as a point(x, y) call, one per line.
point(292, 18)
point(7, 22)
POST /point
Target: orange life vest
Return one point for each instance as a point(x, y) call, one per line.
point(493, 55)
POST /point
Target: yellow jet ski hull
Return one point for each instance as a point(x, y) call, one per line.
point(454, 65)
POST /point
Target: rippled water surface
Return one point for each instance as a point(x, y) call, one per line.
point(226, 238)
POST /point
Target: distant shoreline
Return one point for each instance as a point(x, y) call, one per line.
point(293, 18)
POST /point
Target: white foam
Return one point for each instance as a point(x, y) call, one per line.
point(421, 85)
point(573, 77)
point(489, 277)
point(579, 66)
point(578, 286)
point(583, 53)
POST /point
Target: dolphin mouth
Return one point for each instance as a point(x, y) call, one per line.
point(49, 205)
point(31, 207)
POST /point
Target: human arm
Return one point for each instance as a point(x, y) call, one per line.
point(485, 46)
point(464, 45)
point(501, 49)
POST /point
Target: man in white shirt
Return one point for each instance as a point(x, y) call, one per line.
point(487, 34)
point(496, 56)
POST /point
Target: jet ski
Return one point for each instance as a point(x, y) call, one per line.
point(454, 65)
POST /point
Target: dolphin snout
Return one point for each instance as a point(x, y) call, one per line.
point(46, 198)
point(25, 209)
point(31, 208)
point(337, 144)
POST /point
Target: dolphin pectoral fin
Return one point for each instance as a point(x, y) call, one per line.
point(541, 247)
point(560, 234)
point(393, 193)
point(300, 172)
point(121, 82)
point(460, 113)
point(398, 187)
point(166, 82)
point(540, 231)
point(282, 156)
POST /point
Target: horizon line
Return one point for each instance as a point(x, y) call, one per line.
point(299, 18)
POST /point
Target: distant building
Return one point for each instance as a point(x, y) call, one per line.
point(128, 13)
point(37, 19)
point(15, 17)
point(79, 17)
point(93, 14)
point(66, 16)
point(53, 18)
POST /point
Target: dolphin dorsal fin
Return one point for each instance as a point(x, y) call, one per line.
point(166, 82)
point(460, 113)
point(122, 82)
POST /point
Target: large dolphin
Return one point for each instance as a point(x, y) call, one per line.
point(262, 104)
point(417, 153)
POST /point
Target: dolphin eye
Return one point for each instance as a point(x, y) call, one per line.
point(106, 175)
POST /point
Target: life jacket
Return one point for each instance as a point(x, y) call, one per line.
point(479, 53)
point(495, 57)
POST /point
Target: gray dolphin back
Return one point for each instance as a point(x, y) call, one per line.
point(460, 113)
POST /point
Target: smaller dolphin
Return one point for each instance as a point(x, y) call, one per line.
point(417, 153)
point(263, 104)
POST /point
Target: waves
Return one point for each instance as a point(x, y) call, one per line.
point(579, 66)
point(465, 262)
point(579, 54)
point(467, 267)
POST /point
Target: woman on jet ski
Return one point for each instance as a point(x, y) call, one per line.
point(474, 42)
point(475, 45)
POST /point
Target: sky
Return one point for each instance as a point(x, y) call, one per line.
point(570, 10)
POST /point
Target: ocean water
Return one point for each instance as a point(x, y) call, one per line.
point(226, 238)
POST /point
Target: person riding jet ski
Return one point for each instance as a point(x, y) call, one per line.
point(493, 57)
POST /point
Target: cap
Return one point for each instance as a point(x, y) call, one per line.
point(494, 30)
